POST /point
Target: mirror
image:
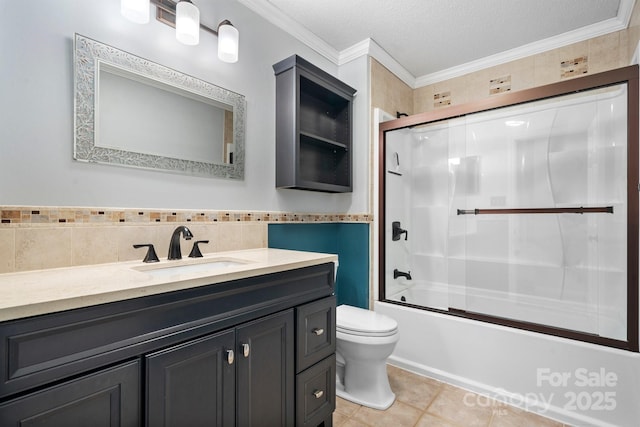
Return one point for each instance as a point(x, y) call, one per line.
point(133, 112)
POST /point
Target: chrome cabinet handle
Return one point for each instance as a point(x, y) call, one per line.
point(317, 331)
point(230, 357)
point(245, 350)
point(318, 394)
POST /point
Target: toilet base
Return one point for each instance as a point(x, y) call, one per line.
point(379, 405)
point(381, 400)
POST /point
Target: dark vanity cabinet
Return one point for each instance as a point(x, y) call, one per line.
point(192, 384)
point(197, 383)
point(110, 397)
point(316, 362)
point(252, 352)
point(265, 375)
point(314, 114)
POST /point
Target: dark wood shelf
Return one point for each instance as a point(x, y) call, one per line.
point(313, 128)
point(318, 138)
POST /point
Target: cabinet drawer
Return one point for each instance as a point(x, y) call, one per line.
point(315, 332)
point(316, 393)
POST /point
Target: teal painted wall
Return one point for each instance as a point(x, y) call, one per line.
point(350, 241)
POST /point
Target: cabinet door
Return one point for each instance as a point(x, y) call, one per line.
point(192, 384)
point(109, 398)
point(266, 372)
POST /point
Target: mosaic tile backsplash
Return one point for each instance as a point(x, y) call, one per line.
point(34, 238)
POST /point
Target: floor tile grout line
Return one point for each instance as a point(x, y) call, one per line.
point(440, 386)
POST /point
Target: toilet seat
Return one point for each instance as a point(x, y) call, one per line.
point(365, 323)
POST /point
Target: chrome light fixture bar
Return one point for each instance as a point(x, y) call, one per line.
point(184, 16)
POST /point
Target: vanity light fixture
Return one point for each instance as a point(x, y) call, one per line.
point(228, 37)
point(185, 17)
point(187, 23)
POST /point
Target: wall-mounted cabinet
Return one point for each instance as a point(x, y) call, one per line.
point(313, 128)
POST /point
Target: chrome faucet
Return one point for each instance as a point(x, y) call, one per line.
point(174, 245)
point(397, 273)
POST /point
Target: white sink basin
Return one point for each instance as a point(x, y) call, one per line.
point(213, 265)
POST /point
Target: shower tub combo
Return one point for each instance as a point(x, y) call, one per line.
point(509, 243)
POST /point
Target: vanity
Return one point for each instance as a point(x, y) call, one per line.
point(243, 338)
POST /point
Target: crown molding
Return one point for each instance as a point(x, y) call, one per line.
point(366, 47)
point(285, 23)
point(371, 48)
point(585, 33)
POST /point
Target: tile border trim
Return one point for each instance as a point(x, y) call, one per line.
point(13, 215)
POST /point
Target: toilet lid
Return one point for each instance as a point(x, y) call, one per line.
point(359, 321)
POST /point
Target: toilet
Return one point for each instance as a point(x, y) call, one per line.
point(364, 341)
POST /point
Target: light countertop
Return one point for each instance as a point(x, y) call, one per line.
point(31, 293)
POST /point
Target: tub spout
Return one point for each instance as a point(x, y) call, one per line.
point(397, 273)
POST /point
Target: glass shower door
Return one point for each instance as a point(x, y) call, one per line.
point(542, 211)
point(521, 215)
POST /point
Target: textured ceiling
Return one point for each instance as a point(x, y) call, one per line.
point(428, 36)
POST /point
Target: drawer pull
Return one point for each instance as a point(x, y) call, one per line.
point(245, 350)
point(318, 394)
point(317, 331)
point(230, 357)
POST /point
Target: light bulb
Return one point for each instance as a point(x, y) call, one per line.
point(187, 23)
point(135, 10)
point(228, 39)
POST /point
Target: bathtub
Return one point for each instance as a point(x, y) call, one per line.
point(550, 311)
point(571, 381)
point(422, 293)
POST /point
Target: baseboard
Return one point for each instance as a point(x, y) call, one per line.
point(554, 412)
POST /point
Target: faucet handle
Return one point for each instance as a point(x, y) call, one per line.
point(397, 231)
point(151, 253)
point(195, 251)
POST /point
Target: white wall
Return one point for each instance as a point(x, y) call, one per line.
point(36, 110)
point(356, 74)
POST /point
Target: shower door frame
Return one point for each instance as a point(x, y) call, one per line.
point(626, 75)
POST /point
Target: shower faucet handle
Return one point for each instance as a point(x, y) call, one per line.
point(397, 231)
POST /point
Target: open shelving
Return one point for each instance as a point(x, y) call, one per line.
point(313, 128)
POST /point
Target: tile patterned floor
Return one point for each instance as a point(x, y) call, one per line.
point(422, 402)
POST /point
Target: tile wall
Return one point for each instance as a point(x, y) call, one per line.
point(388, 92)
point(591, 56)
point(603, 53)
point(34, 238)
